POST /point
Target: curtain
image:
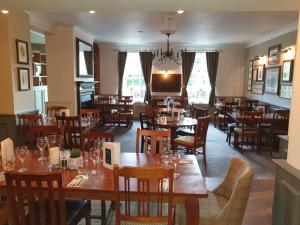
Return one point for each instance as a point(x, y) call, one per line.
point(212, 59)
point(121, 66)
point(146, 59)
point(188, 59)
point(88, 61)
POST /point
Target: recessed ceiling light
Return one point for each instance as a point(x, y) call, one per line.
point(4, 11)
point(92, 12)
point(180, 11)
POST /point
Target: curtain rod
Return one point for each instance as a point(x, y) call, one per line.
point(189, 50)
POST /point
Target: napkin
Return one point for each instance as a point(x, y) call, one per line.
point(7, 150)
point(65, 111)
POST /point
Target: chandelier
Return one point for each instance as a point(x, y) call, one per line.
point(161, 56)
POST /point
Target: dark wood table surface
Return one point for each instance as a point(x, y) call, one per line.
point(188, 187)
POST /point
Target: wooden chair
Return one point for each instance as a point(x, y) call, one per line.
point(72, 130)
point(263, 108)
point(191, 143)
point(151, 140)
point(52, 111)
point(138, 207)
point(4, 213)
point(43, 131)
point(249, 130)
point(199, 112)
point(281, 114)
point(125, 112)
point(95, 113)
point(147, 121)
point(25, 121)
point(251, 103)
point(44, 197)
point(226, 204)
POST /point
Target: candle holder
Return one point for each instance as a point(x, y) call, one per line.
point(54, 143)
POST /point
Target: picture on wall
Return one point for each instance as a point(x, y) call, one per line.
point(273, 58)
point(258, 88)
point(250, 75)
point(22, 52)
point(287, 70)
point(24, 81)
point(255, 74)
point(272, 80)
point(260, 73)
point(286, 91)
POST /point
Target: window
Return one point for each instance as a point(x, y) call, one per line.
point(133, 80)
point(198, 87)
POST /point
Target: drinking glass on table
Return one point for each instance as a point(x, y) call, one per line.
point(187, 113)
point(165, 144)
point(41, 143)
point(175, 162)
point(21, 153)
point(98, 143)
point(94, 155)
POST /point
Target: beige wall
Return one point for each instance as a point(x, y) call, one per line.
point(294, 124)
point(262, 49)
point(230, 70)
point(14, 25)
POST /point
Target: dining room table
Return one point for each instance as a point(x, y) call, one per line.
point(189, 187)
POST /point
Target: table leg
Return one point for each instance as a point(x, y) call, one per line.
point(192, 211)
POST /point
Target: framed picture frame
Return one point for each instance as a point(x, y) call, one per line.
point(111, 154)
point(258, 88)
point(260, 72)
point(272, 80)
point(24, 81)
point(254, 76)
point(22, 52)
point(287, 70)
point(286, 90)
point(273, 58)
point(250, 69)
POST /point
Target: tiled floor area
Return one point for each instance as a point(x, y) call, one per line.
point(259, 207)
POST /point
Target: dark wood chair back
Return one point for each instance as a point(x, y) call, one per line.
point(147, 121)
point(251, 121)
point(88, 139)
point(255, 114)
point(201, 131)
point(263, 108)
point(72, 130)
point(150, 110)
point(25, 121)
point(42, 193)
point(151, 138)
point(137, 190)
point(52, 111)
point(95, 113)
point(199, 112)
point(251, 103)
point(281, 114)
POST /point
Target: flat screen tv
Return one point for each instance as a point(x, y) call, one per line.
point(166, 82)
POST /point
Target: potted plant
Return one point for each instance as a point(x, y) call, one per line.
point(75, 159)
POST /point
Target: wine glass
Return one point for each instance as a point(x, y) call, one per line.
point(21, 153)
point(187, 112)
point(94, 155)
point(175, 161)
point(41, 143)
point(98, 143)
point(165, 146)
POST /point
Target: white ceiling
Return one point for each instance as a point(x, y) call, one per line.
point(192, 28)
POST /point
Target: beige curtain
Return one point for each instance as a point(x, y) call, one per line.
point(188, 59)
point(121, 66)
point(146, 59)
point(212, 60)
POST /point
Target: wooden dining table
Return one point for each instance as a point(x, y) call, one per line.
point(188, 187)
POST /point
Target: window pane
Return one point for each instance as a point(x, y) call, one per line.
point(198, 87)
point(133, 80)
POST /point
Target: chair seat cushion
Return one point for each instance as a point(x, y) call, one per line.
point(209, 208)
point(239, 130)
point(185, 140)
point(185, 132)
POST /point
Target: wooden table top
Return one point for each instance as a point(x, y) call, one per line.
point(190, 183)
point(175, 122)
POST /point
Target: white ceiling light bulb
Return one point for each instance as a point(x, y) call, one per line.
point(180, 11)
point(4, 11)
point(92, 12)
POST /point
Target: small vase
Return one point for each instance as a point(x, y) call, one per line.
point(74, 163)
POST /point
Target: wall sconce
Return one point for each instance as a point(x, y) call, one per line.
point(166, 74)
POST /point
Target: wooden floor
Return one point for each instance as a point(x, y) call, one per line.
point(259, 208)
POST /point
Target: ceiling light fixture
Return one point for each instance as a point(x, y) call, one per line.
point(92, 12)
point(4, 11)
point(180, 11)
point(167, 56)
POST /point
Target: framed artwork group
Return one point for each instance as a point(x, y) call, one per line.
point(275, 79)
point(23, 58)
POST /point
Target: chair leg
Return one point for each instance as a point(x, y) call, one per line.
point(88, 220)
point(204, 156)
point(103, 212)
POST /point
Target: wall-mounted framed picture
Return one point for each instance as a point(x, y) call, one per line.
point(260, 72)
point(22, 52)
point(286, 90)
point(255, 63)
point(250, 75)
point(258, 88)
point(274, 58)
point(24, 81)
point(254, 76)
point(287, 70)
point(272, 80)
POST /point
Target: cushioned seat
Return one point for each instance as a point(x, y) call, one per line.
point(186, 140)
point(239, 130)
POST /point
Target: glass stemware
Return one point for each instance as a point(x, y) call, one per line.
point(41, 143)
point(187, 112)
point(175, 161)
point(94, 155)
point(98, 144)
point(21, 153)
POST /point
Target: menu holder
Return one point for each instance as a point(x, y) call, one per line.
point(111, 154)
